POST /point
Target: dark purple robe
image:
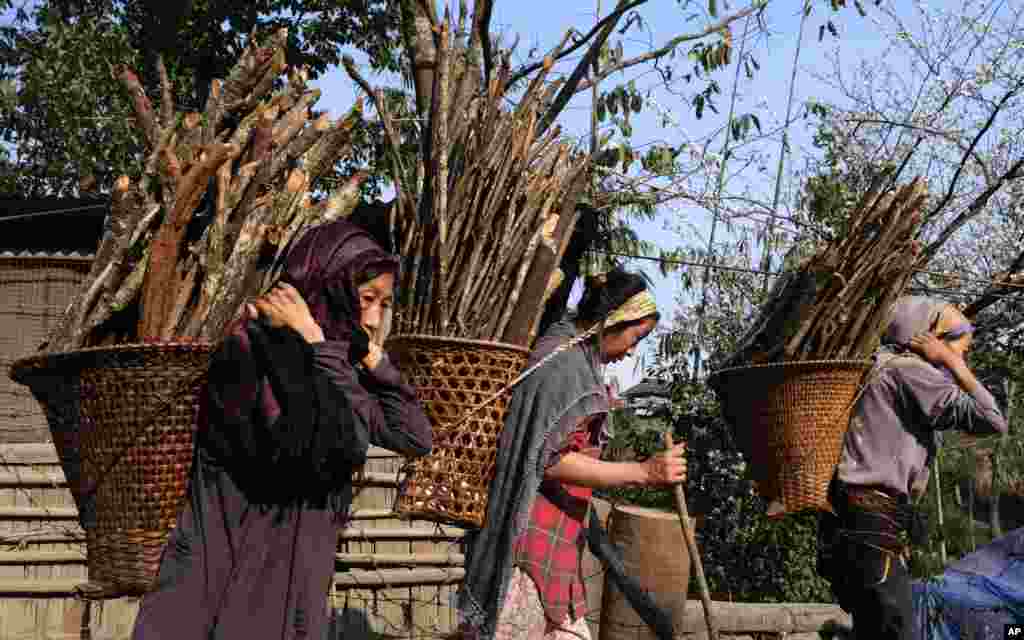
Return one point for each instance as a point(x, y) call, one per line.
point(282, 427)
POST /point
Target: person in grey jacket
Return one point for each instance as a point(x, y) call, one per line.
point(920, 386)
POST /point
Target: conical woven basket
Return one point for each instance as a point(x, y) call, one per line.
point(123, 420)
point(790, 419)
point(452, 377)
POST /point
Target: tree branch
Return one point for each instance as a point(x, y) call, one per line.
point(143, 107)
point(669, 46)
point(556, 55)
point(422, 50)
point(484, 10)
point(970, 151)
point(569, 89)
point(1014, 172)
point(1011, 283)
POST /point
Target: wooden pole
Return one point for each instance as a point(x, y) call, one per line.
point(936, 465)
point(994, 516)
point(691, 547)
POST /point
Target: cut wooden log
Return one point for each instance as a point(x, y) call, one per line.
point(262, 164)
point(834, 304)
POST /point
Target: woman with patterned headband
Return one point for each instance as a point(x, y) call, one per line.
point(522, 569)
point(920, 385)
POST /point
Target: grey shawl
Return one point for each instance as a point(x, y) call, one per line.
point(544, 409)
point(907, 403)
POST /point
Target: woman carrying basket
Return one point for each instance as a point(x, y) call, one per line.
point(920, 385)
point(522, 569)
point(297, 392)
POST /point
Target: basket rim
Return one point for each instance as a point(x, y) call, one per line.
point(796, 364)
point(21, 368)
point(468, 342)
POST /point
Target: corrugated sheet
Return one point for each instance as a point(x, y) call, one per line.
point(40, 255)
point(51, 224)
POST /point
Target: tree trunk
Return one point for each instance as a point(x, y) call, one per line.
point(419, 18)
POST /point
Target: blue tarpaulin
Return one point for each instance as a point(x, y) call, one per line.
point(976, 597)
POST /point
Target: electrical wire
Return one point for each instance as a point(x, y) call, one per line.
point(52, 212)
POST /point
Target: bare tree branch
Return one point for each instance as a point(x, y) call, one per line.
point(482, 12)
point(612, 17)
point(669, 46)
point(1016, 171)
point(939, 133)
point(1011, 284)
point(569, 89)
point(974, 143)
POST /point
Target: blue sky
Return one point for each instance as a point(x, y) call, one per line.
point(540, 24)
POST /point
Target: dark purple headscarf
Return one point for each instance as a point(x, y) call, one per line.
point(327, 265)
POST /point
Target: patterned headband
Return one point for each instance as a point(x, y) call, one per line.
point(639, 306)
point(958, 331)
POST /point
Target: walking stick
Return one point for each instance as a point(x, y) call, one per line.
point(691, 547)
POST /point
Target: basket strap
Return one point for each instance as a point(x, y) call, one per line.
point(528, 372)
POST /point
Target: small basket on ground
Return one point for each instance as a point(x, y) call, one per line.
point(452, 377)
point(123, 420)
point(790, 419)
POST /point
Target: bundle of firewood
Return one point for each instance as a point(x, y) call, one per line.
point(221, 196)
point(834, 306)
point(488, 208)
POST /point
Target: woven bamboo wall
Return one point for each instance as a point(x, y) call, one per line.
point(34, 290)
point(42, 557)
point(401, 590)
point(421, 557)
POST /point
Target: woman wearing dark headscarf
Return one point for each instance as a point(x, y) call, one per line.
point(522, 571)
point(297, 392)
point(920, 385)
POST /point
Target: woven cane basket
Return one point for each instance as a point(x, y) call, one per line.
point(123, 420)
point(790, 419)
point(452, 377)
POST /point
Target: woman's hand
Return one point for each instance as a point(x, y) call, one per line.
point(667, 467)
point(935, 351)
point(938, 353)
point(283, 306)
point(373, 358)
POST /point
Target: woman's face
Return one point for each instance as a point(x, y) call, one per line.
point(375, 298)
point(952, 318)
point(616, 346)
point(961, 345)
